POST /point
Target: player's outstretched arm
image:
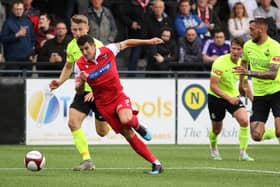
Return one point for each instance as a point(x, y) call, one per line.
point(270, 74)
point(138, 42)
point(64, 75)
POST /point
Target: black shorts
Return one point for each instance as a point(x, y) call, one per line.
point(217, 107)
point(262, 106)
point(85, 107)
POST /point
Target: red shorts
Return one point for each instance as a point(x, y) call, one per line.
point(109, 112)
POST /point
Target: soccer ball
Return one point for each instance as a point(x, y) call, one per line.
point(34, 160)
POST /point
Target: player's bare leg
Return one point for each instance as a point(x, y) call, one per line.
point(102, 127)
point(277, 128)
point(129, 117)
point(257, 130)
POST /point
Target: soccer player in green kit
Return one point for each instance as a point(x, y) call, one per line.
point(262, 53)
point(223, 96)
point(82, 103)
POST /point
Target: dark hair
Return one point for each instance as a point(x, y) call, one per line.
point(49, 17)
point(238, 41)
point(190, 28)
point(16, 2)
point(85, 39)
point(218, 31)
point(183, 1)
point(166, 28)
point(259, 21)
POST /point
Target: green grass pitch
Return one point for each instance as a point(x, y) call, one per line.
point(118, 165)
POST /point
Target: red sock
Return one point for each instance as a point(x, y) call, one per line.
point(133, 122)
point(141, 149)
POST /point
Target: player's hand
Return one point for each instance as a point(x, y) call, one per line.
point(89, 97)
point(156, 41)
point(54, 84)
point(240, 70)
point(79, 85)
point(234, 100)
point(84, 76)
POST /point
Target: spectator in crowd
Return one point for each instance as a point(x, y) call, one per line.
point(186, 19)
point(190, 48)
point(17, 35)
point(133, 15)
point(32, 13)
point(207, 15)
point(267, 10)
point(250, 5)
point(45, 32)
point(212, 3)
point(223, 11)
point(213, 48)
point(238, 23)
point(272, 14)
point(101, 22)
point(2, 15)
point(69, 9)
point(161, 55)
point(157, 19)
point(54, 50)
point(2, 19)
point(82, 6)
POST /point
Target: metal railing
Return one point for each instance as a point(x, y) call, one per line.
point(29, 69)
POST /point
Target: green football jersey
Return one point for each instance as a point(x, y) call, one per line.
point(73, 53)
point(260, 57)
point(222, 68)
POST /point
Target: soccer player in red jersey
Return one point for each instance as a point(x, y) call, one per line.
point(98, 68)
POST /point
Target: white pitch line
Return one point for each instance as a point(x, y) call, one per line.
point(171, 168)
point(203, 147)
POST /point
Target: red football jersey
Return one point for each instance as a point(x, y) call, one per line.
point(103, 74)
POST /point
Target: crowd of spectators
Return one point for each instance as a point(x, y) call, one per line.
point(194, 31)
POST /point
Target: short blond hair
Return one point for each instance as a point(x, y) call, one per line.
point(79, 18)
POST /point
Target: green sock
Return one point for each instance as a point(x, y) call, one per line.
point(81, 143)
point(269, 134)
point(243, 137)
point(213, 138)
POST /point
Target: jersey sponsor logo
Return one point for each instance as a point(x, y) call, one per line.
point(100, 71)
point(105, 56)
point(218, 72)
point(267, 53)
point(276, 58)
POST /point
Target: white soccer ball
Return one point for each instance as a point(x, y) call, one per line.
point(34, 160)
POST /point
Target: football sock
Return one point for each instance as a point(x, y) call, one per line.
point(140, 148)
point(133, 122)
point(269, 134)
point(243, 138)
point(157, 162)
point(81, 143)
point(213, 138)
